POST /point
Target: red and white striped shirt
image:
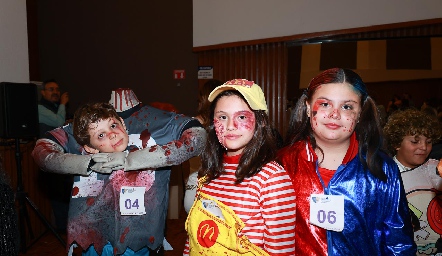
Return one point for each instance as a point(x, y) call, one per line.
point(265, 203)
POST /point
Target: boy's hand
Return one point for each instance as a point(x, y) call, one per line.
point(108, 162)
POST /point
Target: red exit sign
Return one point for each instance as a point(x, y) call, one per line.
point(179, 74)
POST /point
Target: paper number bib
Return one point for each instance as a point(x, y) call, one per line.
point(327, 211)
point(132, 201)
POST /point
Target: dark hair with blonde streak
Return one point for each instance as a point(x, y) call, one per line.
point(409, 122)
point(259, 151)
point(88, 114)
point(368, 130)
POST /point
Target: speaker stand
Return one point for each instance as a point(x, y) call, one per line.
point(22, 199)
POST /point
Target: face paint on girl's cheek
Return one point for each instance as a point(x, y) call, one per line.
point(352, 117)
point(351, 127)
point(219, 130)
point(317, 105)
point(248, 123)
point(314, 118)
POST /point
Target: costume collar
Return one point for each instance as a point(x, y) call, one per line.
point(402, 168)
point(352, 150)
point(232, 159)
point(310, 155)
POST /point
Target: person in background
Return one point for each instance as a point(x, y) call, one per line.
point(245, 202)
point(52, 107)
point(394, 104)
point(203, 116)
point(203, 111)
point(408, 97)
point(409, 136)
point(349, 195)
point(52, 114)
point(166, 138)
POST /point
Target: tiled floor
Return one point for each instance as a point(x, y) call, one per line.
point(49, 245)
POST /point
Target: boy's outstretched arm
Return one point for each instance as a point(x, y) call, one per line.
point(190, 144)
point(51, 157)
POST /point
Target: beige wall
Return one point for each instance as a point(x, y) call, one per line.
point(217, 22)
point(14, 62)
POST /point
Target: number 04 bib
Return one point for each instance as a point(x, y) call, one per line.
point(132, 200)
point(327, 211)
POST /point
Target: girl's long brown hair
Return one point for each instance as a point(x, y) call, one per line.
point(260, 150)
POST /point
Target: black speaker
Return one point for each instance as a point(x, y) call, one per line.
point(18, 110)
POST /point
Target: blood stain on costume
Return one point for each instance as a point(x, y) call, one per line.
point(75, 191)
point(145, 137)
point(152, 239)
point(121, 178)
point(90, 201)
point(123, 236)
point(167, 153)
point(178, 144)
point(153, 148)
point(59, 134)
point(131, 176)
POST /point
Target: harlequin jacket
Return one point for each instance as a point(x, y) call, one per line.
point(376, 218)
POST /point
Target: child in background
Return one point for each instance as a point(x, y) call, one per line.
point(116, 216)
point(245, 202)
point(350, 197)
point(203, 116)
point(410, 135)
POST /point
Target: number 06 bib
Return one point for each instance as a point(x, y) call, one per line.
point(327, 211)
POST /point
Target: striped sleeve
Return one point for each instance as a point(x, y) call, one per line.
point(279, 212)
point(186, 247)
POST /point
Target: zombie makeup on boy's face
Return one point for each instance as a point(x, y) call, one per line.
point(335, 110)
point(108, 136)
point(234, 123)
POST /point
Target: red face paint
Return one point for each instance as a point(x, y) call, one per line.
point(244, 120)
point(219, 130)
